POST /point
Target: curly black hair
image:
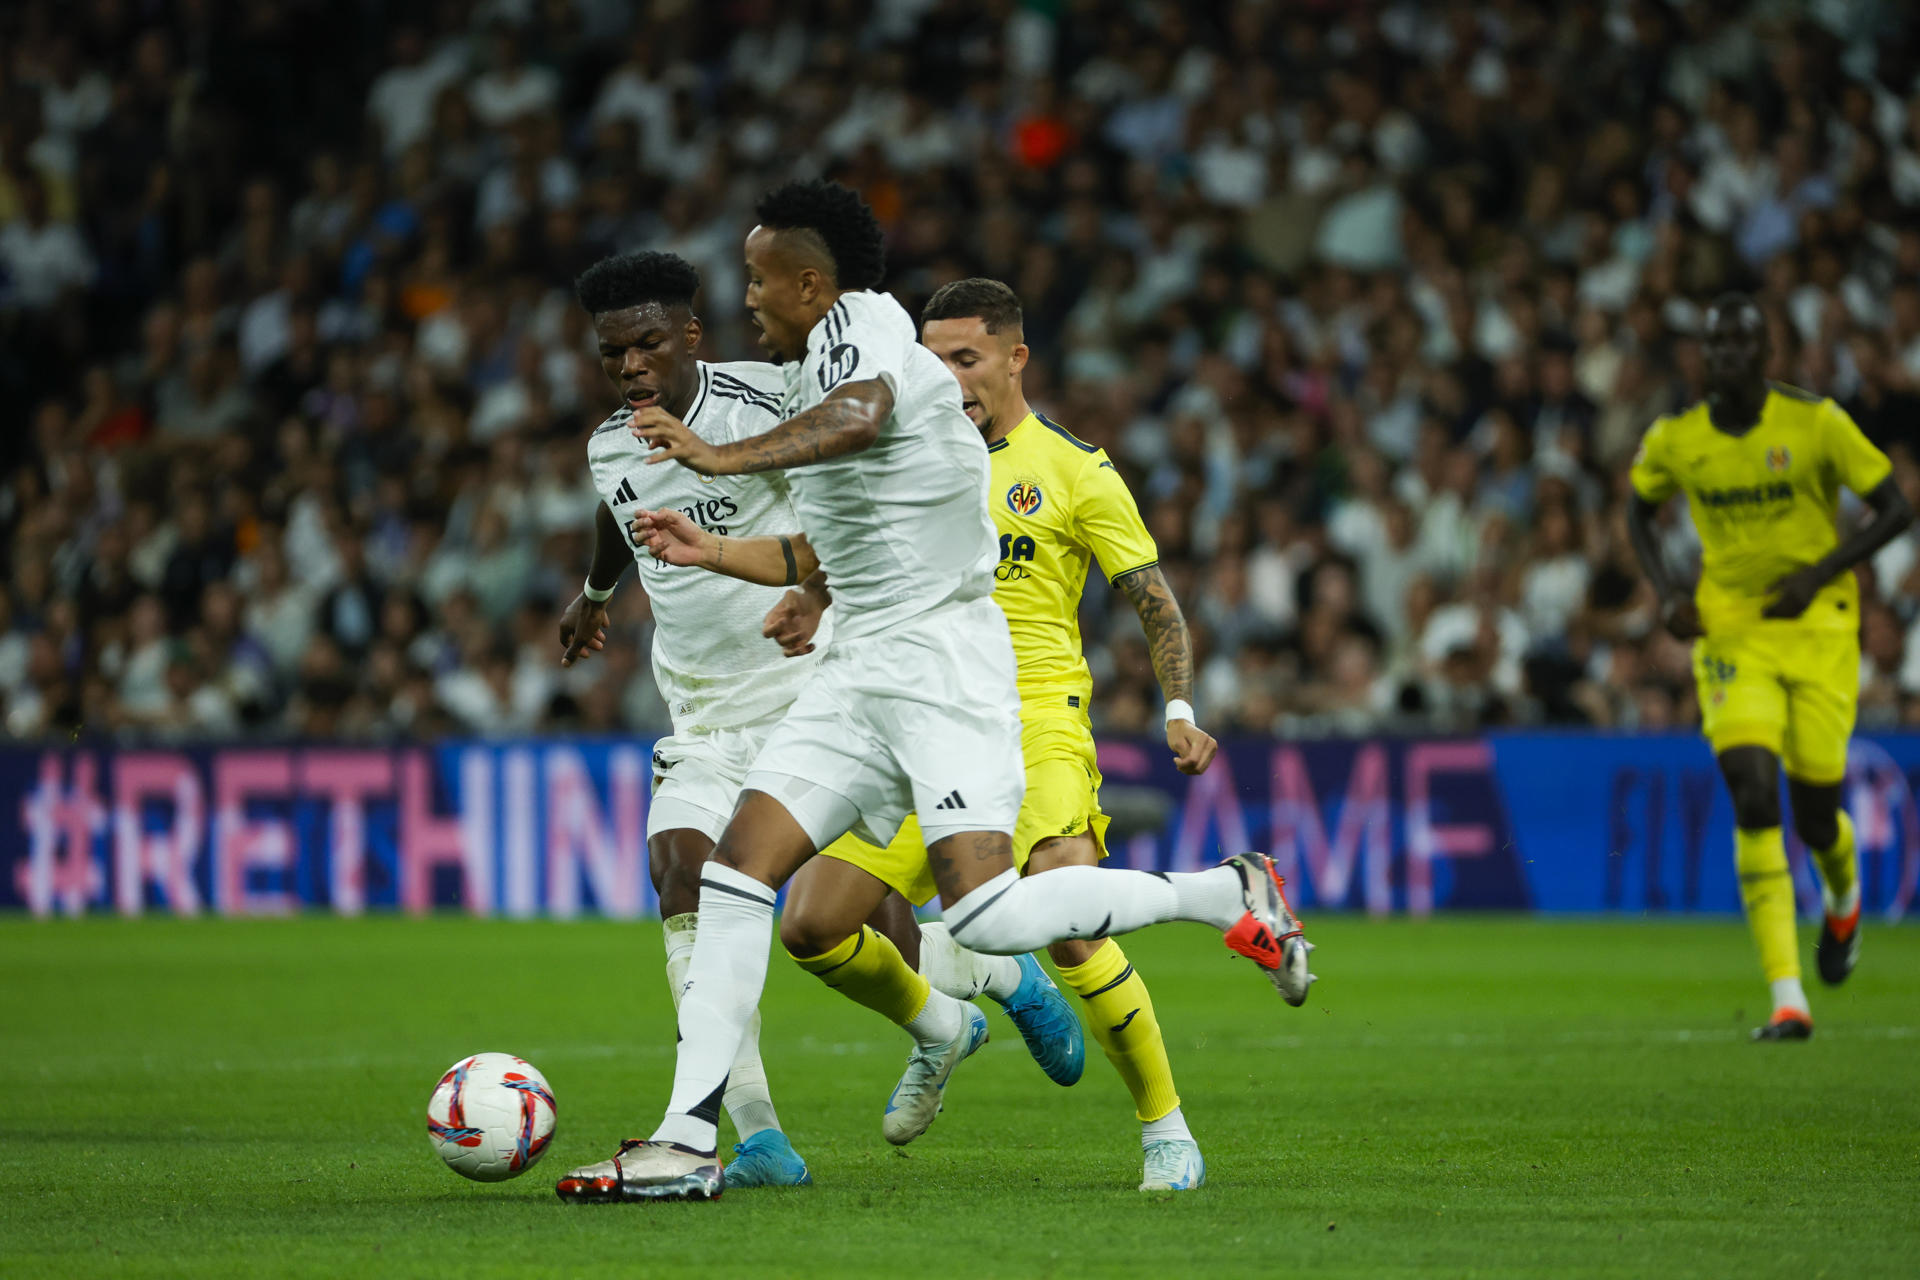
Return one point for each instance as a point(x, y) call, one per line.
point(841, 219)
point(635, 279)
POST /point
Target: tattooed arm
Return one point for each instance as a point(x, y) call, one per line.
point(1172, 650)
point(783, 560)
point(848, 421)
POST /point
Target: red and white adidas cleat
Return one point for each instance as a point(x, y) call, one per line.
point(1269, 934)
point(642, 1170)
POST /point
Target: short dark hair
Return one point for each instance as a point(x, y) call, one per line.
point(842, 220)
point(997, 306)
point(636, 279)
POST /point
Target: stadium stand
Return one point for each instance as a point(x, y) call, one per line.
point(1370, 301)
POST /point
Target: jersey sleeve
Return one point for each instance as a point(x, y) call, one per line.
point(860, 343)
point(1856, 461)
point(1106, 519)
point(1652, 475)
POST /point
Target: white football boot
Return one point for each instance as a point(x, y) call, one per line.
point(645, 1171)
point(1269, 934)
point(916, 1099)
point(1173, 1164)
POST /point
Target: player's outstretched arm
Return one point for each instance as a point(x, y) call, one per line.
point(847, 421)
point(1172, 650)
point(583, 627)
point(1892, 513)
point(1677, 608)
point(784, 560)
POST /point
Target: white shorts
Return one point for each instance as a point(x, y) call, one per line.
point(924, 719)
point(697, 778)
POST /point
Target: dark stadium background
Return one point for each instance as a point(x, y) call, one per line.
point(1370, 303)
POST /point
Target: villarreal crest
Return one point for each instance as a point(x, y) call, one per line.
point(1778, 458)
point(1024, 498)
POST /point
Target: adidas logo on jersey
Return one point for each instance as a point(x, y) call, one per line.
point(625, 492)
point(953, 801)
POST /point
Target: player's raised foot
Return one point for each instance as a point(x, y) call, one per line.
point(642, 1170)
point(1839, 947)
point(1786, 1024)
point(1268, 934)
point(1047, 1023)
point(915, 1101)
point(1173, 1164)
point(767, 1159)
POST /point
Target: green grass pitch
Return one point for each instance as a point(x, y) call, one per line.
point(1462, 1097)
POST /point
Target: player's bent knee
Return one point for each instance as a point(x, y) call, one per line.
point(674, 859)
point(1755, 809)
point(1073, 952)
point(1819, 831)
point(1756, 801)
point(1753, 784)
point(1063, 851)
point(804, 937)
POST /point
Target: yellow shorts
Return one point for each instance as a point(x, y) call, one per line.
point(1063, 799)
point(1789, 689)
point(902, 865)
point(1063, 786)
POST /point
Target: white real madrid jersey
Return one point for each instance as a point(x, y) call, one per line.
point(902, 527)
point(714, 668)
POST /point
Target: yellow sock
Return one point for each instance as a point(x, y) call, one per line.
point(1767, 889)
point(1120, 1016)
point(1839, 869)
point(868, 969)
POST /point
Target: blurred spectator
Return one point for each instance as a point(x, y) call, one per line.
point(1371, 310)
point(41, 261)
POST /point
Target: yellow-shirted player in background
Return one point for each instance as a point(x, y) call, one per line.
point(1059, 505)
point(1775, 624)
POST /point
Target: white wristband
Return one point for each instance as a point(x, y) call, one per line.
point(1180, 709)
point(594, 593)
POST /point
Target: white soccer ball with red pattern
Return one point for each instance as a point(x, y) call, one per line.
point(491, 1117)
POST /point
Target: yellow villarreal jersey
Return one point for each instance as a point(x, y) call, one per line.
point(1059, 504)
point(1764, 503)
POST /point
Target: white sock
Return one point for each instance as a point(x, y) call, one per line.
point(961, 973)
point(1213, 896)
point(748, 1101)
point(1787, 994)
point(725, 977)
point(1171, 1126)
point(1007, 915)
point(939, 1022)
point(678, 933)
point(1844, 905)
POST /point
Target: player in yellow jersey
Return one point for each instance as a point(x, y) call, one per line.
point(1059, 505)
point(1774, 622)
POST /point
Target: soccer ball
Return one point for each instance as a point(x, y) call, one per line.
point(491, 1117)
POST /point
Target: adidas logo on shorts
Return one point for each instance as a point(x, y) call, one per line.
point(953, 801)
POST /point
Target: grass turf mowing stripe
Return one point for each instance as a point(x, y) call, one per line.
point(1462, 1097)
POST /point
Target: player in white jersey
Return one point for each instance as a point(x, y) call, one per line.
point(724, 685)
point(913, 708)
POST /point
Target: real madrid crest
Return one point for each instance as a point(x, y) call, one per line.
point(1024, 498)
point(1778, 458)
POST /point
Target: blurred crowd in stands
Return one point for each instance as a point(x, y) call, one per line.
point(1369, 301)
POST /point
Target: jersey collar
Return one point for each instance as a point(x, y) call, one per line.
point(700, 396)
point(1007, 439)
